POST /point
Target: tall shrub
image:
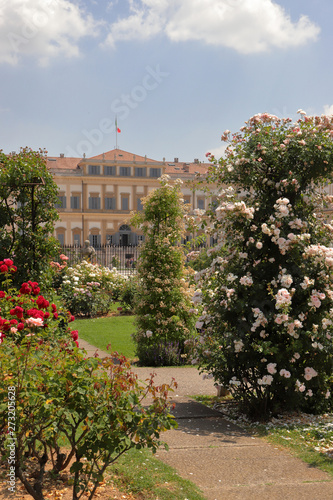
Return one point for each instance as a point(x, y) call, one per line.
point(267, 322)
point(28, 195)
point(163, 306)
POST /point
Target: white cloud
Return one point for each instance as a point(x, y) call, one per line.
point(247, 26)
point(328, 109)
point(218, 152)
point(43, 29)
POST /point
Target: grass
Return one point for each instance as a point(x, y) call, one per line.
point(309, 437)
point(114, 330)
point(311, 442)
point(139, 472)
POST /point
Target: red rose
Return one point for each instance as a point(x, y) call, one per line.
point(6, 326)
point(75, 334)
point(13, 269)
point(20, 326)
point(25, 288)
point(8, 262)
point(2, 294)
point(3, 268)
point(42, 303)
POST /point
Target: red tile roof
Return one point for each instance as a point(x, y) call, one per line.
point(120, 156)
point(171, 167)
point(183, 169)
point(64, 163)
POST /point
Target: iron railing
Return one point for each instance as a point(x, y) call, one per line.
point(123, 258)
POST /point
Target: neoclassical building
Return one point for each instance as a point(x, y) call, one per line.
point(97, 194)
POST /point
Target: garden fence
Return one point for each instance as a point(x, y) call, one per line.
point(122, 258)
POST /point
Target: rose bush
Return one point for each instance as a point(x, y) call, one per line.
point(89, 289)
point(27, 316)
point(266, 328)
point(76, 413)
point(163, 306)
point(66, 410)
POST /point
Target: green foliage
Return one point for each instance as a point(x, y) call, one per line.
point(200, 259)
point(28, 195)
point(127, 293)
point(97, 405)
point(267, 321)
point(163, 297)
point(89, 289)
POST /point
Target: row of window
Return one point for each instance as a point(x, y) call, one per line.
point(94, 203)
point(124, 171)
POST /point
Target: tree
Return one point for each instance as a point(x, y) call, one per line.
point(28, 195)
point(267, 322)
point(163, 306)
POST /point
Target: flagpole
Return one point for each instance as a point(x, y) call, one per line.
point(116, 133)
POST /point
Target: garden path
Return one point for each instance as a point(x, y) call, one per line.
point(220, 457)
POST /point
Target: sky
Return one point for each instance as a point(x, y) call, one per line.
point(174, 73)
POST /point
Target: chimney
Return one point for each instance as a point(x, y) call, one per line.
point(196, 160)
point(62, 155)
point(186, 167)
point(175, 160)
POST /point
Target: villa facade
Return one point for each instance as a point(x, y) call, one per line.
point(97, 194)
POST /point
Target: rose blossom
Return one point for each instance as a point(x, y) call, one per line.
point(285, 373)
point(267, 379)
point(309, 373)
point(238, 345)
point(271, 368)
point(34, 322)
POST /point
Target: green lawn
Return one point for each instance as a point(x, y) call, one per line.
point(114, 330)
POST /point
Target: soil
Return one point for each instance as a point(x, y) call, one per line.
point(60, 489)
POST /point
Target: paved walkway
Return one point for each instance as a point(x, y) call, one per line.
point(222, 459)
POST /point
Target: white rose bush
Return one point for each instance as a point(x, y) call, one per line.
point(90, 289)
point(165, 316)
point(267, 321)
